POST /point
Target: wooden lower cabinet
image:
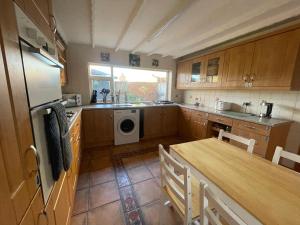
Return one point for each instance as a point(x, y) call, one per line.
point(192, 124)
point(98, 127)
point(153, 117)
point(170, 121)
point(62, 206)
point(266, 137)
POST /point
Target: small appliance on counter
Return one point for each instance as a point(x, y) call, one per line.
point(222, 106)
point(266, 109)
point(73, 100)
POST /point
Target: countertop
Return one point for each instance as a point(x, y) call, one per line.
point(252, 118)
point(272, 122)
point(77, 110)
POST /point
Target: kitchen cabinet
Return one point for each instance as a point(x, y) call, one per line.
point(153, 126)
point(72, 174)
point(62, 58)
point(62, 206)
point(213, 69)
point(198, 125)
point(18, 165)
point(197, 67)
point(237, 66)
point(185, 127)
point(274, 60)
point(40, 12)
point(98, 127)
point(170, 121)
point(270, 61)
point(183, 74)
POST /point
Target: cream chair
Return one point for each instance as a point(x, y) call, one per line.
point(249, 142)
point(179, 187)
point(213, 211)
point(279, 152)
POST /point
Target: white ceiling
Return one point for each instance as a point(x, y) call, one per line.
point(198, 25)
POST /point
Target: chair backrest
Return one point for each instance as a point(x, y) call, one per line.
point(177, 178)
point(213, 211)
point(249, 142)
point(279, 152)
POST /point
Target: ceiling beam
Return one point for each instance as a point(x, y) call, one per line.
point(165, 23)
point(92, 13)
point(133, 15)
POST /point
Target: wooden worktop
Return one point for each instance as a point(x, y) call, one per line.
point(269, 192)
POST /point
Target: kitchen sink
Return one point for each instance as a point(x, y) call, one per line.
point(122, 105)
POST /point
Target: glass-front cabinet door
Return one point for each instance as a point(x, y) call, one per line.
point(214, 69)
point(197, 71)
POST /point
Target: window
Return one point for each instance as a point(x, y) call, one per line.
point(138, 84)
point(100, 77)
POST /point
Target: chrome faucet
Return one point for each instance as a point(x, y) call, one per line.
point(125, 96)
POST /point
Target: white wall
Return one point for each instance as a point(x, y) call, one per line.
point(79, 55)
point(286, 106)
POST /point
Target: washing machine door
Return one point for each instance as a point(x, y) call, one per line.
point(127, 126)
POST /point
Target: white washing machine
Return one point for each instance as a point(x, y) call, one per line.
point(126, 126)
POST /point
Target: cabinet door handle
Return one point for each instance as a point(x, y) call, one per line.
point(45, 215)
point(37, 158)
point(53, 24)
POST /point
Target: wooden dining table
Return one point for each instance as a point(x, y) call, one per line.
point(257, 190)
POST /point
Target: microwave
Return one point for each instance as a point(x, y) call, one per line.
point(73, 100)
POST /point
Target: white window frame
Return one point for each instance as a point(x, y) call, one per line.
point(111, 78)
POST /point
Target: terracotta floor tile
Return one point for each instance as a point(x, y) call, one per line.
point(150, 157)
point(147, 191)
point(157, 214)
point(110, 214)
point(103, 194)
point(80, 219)
point(84, 166)
point(81, 201)
point(83, 181)
point(100, 163)
point(138, 174)
point(133, 161)
point(103, 175)
point(154, 169)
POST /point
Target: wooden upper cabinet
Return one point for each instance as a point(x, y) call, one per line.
point(237, 65)
point(197, 68)
point(214, 69)
point(274, 60)
point(183, 74)
point(40, 12)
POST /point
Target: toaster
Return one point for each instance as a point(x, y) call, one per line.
point(222, 106)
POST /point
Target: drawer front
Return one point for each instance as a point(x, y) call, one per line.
point(261, 141)
point(196, 115)
point(220, 119)
point(252, 127)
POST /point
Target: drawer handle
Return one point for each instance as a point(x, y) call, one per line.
point(250, 127)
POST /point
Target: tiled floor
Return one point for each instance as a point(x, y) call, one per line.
point(121, 189)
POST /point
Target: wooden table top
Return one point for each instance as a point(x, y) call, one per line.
point(271, 193)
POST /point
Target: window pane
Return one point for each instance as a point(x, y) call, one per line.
point(100, 71)
point(140, 85)
point(98, 85)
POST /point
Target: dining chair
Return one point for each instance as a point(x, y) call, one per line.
point(180, 188)
point(214, 211)
point(249, 142)
point(279, 152)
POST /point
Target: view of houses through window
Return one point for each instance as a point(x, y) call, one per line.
point(138, 84)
